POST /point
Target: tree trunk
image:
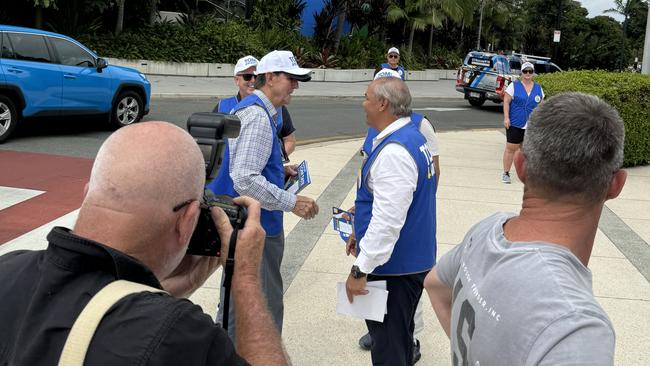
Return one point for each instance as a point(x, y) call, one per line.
point(411, 38)
point(340, 23)
point(153, 13)
point(462, 28)
point(431, 41)
point(250, 6)
point(120, 17)
point(38, 18)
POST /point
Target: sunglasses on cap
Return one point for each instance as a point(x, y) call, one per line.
point(393, 56)
point(527, 71)
point(247, 77)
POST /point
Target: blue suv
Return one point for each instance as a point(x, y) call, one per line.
point(48, 74)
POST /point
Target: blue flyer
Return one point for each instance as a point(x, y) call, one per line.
point(298, 182)
point(343, 223)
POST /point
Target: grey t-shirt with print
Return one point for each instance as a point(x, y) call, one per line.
point(522, 303)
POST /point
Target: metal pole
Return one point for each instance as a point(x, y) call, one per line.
point(480, 24)
point(557, 27)
point(645, 66)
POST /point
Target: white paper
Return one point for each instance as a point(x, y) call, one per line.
point(371, 306)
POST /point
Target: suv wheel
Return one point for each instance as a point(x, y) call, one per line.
point(476, 102)
point(128, 109)
point(8, 118)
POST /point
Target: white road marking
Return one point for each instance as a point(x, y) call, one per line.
point(10, 196)
point(37, 238)
point(440, 109)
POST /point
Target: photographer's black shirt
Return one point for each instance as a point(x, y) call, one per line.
point(43, 292)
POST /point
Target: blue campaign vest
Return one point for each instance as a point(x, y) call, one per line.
point(400, 69)
point(416, 119)
point(415, 250)
point(226, 105)
point(522, 104)
point(273, 171)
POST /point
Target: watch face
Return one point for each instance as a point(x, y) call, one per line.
point(356, 272)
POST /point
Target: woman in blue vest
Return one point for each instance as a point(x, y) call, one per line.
point(521, 97)
point(393, 63)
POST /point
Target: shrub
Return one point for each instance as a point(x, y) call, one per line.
point(359, 50)
point(209, 41)
point(628, 93)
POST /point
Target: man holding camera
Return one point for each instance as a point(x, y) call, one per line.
point(517, 290)
point(252, 166)
point(394, 219)
point(139, 211)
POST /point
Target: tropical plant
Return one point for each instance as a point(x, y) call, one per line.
point(418, 14)
point(74, 22)
point(624, 8)
point(323, 20)
point(280, 14)
point(323, 59)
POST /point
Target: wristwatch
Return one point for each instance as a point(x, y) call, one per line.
point(356, 272)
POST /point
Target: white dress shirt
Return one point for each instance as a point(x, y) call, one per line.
point(392, 179)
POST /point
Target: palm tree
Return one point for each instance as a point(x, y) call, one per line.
point(419, 14)
point(624, 8)
point(440, 11)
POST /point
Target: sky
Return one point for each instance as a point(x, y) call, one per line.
point(596, 7)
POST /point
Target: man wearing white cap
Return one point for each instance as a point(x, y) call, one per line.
point(392, 58)
point(245, 82)
point(425, 128)
point(252, 166)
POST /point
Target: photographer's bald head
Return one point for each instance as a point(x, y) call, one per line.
point(140, 174)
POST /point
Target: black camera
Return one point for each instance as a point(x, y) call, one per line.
point(211, 131)
point(205, 240)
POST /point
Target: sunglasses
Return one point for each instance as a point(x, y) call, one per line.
point(527, 71)
point(247, 77)
point(393, 56)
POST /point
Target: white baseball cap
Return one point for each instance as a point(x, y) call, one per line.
point(393, 50)
point(527, 65)
point(244, 63)
point(387, 73)
point(283, 61)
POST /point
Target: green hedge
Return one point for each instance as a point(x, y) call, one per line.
point(209, 41)
point(628, 93)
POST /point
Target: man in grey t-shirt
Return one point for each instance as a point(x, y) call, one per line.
point(517, 290)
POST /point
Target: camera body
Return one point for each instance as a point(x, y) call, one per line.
point(205, 240)
point(211, 131)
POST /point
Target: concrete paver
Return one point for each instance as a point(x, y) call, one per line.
point(470, 190)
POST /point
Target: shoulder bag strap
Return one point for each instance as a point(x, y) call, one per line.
point(83, 329)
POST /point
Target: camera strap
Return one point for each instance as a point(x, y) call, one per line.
point(228, 273)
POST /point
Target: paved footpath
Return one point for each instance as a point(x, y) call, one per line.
point(188, 86)
point(314, 262)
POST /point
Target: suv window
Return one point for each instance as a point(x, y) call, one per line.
point(72, 55)
point(7, 50)
point(29, 47)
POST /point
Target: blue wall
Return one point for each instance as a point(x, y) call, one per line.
point(313, 6)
